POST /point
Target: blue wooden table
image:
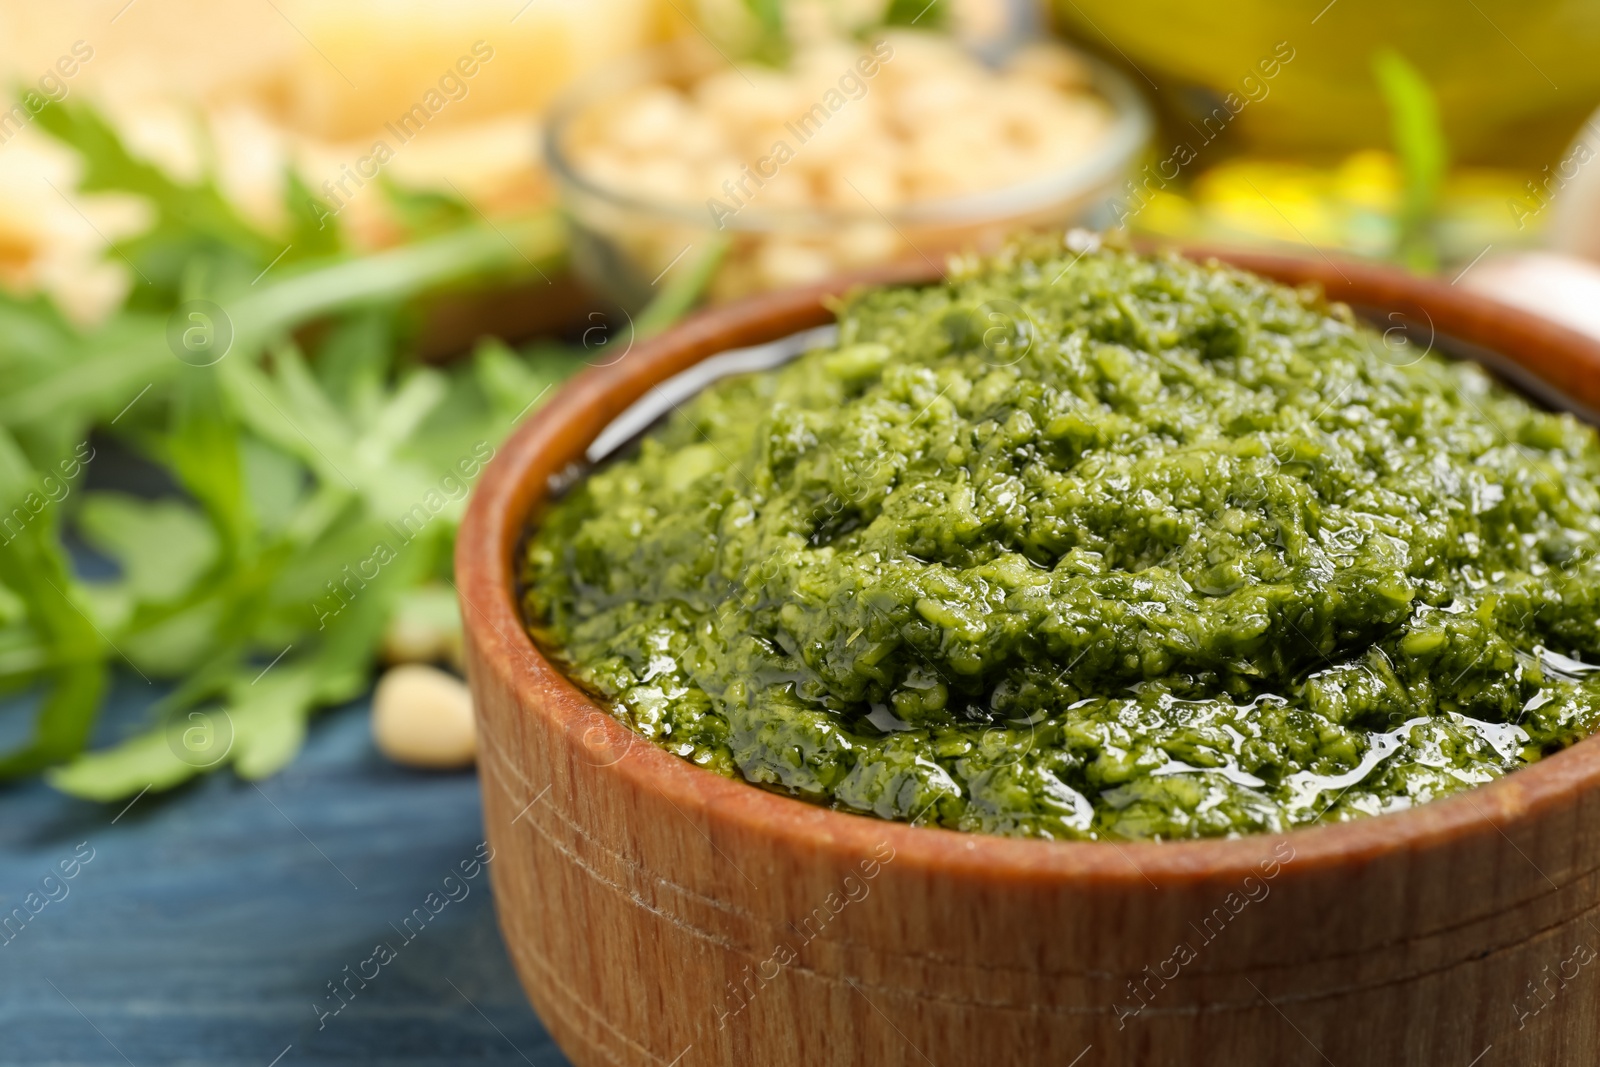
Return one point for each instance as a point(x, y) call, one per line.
point(211, 925)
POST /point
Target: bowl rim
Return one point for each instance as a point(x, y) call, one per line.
point(1130, 130)
point(498, 642)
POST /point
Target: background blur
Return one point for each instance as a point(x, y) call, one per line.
point(278, 276)
point(247, 89)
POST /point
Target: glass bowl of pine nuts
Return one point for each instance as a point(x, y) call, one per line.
point(747, 178)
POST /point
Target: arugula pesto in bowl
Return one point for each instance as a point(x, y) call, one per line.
point(1092, 546)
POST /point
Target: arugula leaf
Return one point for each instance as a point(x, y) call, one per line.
point(682, 291)
point(32, 331)
point(191, 221)
point(927, 14)
point(147, 761)
point(101, 374)
point(310, 235)
point(202, 448)
point(321, 469)
point(353, 362)
point(33, 567)
point(772, 44)
point(510, 382)
point(423, 212)
point(163, 546)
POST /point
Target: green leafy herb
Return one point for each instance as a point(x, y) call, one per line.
point(321, 472)
point(927, 14)
point(683, 289)
point(772, 45)
point(1420, 143)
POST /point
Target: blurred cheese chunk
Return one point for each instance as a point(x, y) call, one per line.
point(369, 62)
point(52, 239)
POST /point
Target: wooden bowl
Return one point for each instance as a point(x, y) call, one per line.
point(659, 914)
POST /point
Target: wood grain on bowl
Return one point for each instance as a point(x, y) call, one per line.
point(661, 914)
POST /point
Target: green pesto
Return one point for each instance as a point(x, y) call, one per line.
point(1099, 547)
